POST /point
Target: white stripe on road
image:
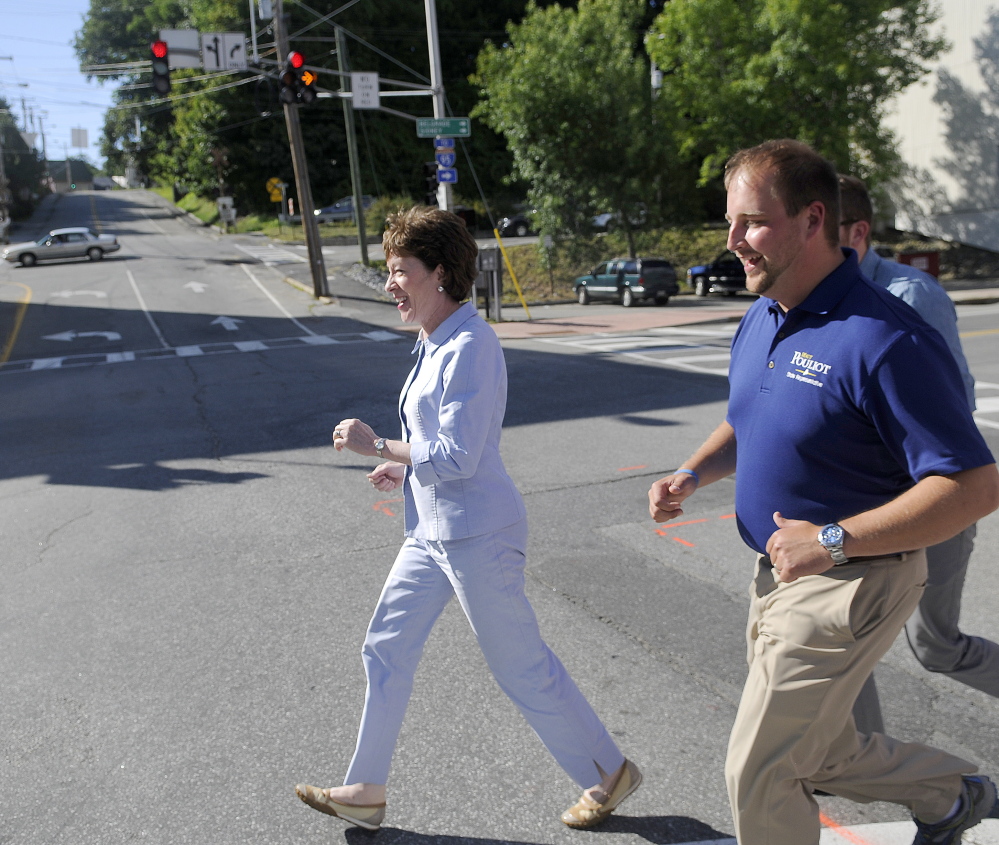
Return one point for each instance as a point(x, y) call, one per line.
point(153, 223)
point(145, 310)
point(886, 833)
point(270, 255)
point(276, 344)
point(277, 304)
point(986, 404)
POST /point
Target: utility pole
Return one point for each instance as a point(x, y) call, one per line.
point(45, 155)
point(348, 116)
point(320, 286)
point(437, 84)
point(5, 195)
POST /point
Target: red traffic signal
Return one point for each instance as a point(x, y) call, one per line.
point(297, 85)
point(161, 66)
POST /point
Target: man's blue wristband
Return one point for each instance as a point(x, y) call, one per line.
point(697, 478)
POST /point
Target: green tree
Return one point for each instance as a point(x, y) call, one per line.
point(570, 92)
point(22, 167)
point(737, 74)
point(179, 134)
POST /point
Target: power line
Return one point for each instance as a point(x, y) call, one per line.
point(165, 100)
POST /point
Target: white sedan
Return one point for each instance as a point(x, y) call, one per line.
point(62, 243)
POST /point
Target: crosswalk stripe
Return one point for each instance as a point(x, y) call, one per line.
point(272, 255)
point(189, 351)
point(884, 833)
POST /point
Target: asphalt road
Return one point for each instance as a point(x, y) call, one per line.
point(188, 567)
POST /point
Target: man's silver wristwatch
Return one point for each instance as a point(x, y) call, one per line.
point(831, 536)
point(379, 445)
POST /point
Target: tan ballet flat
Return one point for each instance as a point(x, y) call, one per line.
point(587, 813)
point(368, 816)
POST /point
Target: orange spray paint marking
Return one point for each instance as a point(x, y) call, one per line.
point(848, 835)
point(380, 506)
point(628, 469)
point(664, 532)
point(728, 516)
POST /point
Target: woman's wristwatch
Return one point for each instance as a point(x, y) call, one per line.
point(379, 445)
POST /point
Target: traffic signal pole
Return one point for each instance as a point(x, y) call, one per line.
point(355, 169)
point(320, 285)
point(437, 84)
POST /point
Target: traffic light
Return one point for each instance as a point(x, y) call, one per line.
point(430, 182)
point(298, 85)
point(161, 67)
point(307, 89)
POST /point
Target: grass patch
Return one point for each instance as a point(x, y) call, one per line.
point(549, 278)
point(166, 193)
point(205, 210)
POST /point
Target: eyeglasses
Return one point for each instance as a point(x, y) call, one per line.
point(848, 222)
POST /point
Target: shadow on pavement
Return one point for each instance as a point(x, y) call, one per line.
point(658, 830)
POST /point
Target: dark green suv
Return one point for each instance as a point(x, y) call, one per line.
point(628, 281)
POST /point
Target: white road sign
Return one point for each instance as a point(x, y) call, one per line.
point(184, 48)
point(223, 50)
point(364, 87)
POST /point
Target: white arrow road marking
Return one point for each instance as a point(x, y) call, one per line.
point(230, 324)
point(65, 294)
point(197, 287)
point(72, 335)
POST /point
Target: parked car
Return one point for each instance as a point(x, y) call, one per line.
point(723, 275)
point(62, 243)
point(342, 209)
point(628, 281)
point(517, 225)
point(608, 220)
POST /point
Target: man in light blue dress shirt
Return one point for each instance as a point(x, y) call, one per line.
point(932, 631)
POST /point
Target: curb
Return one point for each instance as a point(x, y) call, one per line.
point(974, 297)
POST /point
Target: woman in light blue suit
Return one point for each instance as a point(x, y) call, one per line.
point(466, 536)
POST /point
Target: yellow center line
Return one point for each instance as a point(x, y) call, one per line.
point(21, 311)
point(979, 333)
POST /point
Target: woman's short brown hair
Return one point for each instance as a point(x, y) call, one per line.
point(438, 239)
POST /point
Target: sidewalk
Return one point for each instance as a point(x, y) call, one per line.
point(553, 320)
point(564, 318)
point(683, 310)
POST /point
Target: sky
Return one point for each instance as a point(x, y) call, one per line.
point(40, 75)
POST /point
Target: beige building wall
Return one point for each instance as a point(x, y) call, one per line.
point(947, 127)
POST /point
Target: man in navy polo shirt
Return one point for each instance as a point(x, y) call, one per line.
point(854, 449)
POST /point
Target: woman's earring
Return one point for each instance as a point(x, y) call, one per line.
point(440, 288)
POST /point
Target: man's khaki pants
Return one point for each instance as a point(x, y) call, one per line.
point(812, 644)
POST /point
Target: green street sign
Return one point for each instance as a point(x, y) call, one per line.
point(452, 127)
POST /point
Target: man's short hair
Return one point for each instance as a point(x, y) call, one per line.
point(855, 202)
point(801, 177)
